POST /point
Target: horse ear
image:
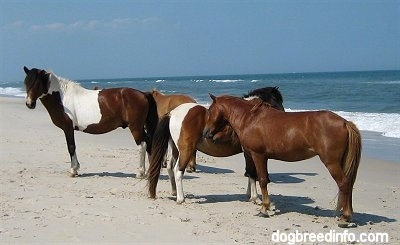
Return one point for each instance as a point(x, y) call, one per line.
point(212, 97)
point(26, 70)
point(42, 72)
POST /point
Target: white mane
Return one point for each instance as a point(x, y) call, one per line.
point(63, 85)
point(251, 98)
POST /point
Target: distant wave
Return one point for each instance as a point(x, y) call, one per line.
point(10, 91)
point(382, 82)
point(225, 80)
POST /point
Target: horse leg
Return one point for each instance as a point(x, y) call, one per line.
point(252, 191)
point(192, 164)
point(182, 161)
point(178, 181)
point(260, 164)
point(344, 200)
point(142, 158)
point(252, 175)
point(69, 136)
point(170, 168)
point(138, 136)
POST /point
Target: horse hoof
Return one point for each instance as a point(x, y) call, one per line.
point(73, 173)
point(190, 170)
point(266, 214)
point(255, 200)
point(271, 212)
point(345, 224)
point(261, 214)
point(140, 175)
point(180, 201)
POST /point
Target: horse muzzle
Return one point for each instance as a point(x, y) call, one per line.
point(30, 104)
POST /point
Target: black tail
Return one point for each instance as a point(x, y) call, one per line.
point(160, 147)
point(151, 121)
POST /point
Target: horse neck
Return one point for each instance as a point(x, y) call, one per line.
point(236, 115)
point(63, 85)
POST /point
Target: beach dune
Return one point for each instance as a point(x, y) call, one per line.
point(106, 203)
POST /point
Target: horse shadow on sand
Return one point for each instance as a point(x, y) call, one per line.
point(296, 204)
point(125, 175)
point(201, 169)
point(212, 170)
point(107, 174)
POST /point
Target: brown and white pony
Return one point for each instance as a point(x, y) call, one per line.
point(266, 133)
point(184, 127)
point(165, 104)
point(72, 107)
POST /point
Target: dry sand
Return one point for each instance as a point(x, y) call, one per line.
point(107, 204)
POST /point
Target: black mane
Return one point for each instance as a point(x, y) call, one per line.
point(270, 95)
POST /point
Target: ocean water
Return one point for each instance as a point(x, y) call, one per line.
point(371, 99)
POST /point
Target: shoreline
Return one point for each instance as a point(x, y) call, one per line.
point(106, 203)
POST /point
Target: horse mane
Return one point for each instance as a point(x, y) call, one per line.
point(266, 94)
point(258, 98)
point(257, 104)
point(63, 83)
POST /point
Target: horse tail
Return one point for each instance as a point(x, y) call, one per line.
point(160, 145)
point(351, 159)
point(151, 120)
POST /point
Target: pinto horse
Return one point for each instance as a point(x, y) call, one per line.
point(72, 107)
point(266, 133)
point(165, 104)
point(185, 125)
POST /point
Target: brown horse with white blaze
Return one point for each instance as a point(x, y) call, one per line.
point(266, 133)
point(72, 107)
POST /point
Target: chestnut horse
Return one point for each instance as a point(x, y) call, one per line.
point(266, 133)
point(72, 107)
point(185, 125)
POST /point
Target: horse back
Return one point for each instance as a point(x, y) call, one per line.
point(121, 98)
point(166, 103)
point(308, 133)
point(120, 107)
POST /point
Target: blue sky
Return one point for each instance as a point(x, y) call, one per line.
point(120, 39)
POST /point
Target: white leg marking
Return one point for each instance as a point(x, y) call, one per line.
point(170, 169)
point(74, 166)
point(179, 188)
point(142, 168)
point(252, 190)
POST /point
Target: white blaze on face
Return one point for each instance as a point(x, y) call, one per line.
point(177, 116)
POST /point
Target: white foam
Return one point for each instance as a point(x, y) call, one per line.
point(9, 91)
point(224, 80)
point(388, 124)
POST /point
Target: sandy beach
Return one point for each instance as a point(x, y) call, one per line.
point(40, 203)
